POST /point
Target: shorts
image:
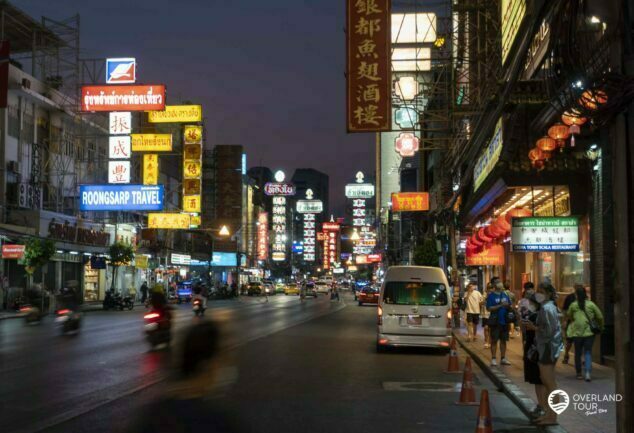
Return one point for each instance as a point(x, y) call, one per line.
point(485, 322)
point(499, 332)
point(473, 318)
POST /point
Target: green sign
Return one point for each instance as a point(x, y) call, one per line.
point(485, 163)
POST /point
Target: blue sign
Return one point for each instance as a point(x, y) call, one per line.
point(120, 197)
point(244, 163)
point(224, 259)
point(97, 262)
point(298, 248)
point(121, 71)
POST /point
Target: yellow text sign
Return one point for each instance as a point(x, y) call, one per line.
point(167, 220)
point(150, 169)
point(151, 142)
point(176, 114)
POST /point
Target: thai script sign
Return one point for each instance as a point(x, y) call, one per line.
point(177, 114)
point(14, 251)
point(151, 142)
point(410, 201)
point(123, 97)
point(279, 189)
point(545, 234)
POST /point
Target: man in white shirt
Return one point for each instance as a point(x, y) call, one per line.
point(473, 300)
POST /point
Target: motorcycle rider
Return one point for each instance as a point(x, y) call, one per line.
point(198, 294)
point(160, 305)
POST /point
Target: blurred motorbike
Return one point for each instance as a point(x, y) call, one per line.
point(32, 314)
point(198, 307)
point(158, 328)
point(69, 320)
point(114, 301)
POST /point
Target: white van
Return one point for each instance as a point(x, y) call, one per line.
point(414, 308)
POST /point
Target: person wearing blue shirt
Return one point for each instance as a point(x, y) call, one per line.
point(498, 304)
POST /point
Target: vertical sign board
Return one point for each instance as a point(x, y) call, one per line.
point(309, 208)
point(368, 69)
point(192, 168)
point(263, 236)
point(331, 244)
point(150, 169)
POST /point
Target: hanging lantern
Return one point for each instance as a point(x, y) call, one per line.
point(483, 237)
point(574, 129)
point(538, 165)
point(546, 144)
point(490, 232)
point(591, 99)
point(560, 133)
point(518, 212)
point(573, 117)
point(503, 224)
point(475, 241)
point(536, 154)
point(494, 230)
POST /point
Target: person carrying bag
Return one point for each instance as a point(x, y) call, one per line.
point(585, 321)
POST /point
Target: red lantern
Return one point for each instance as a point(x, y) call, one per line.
point(536, 155)
point(518, 212)
point(573, 117)
point(546, 144)
point(475, 241)
point(591, 99)
point(483, 237)
point(560, 133)
point(503, 224)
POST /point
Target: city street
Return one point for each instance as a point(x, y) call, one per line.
point(292, 365)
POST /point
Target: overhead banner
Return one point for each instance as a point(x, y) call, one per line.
point(410, 201)
point(150, 169)
point(120, 197)
point(123, 97)
point(151, 142)
point(168, 220)
point(177, 114)
point(368, 69)
point(493, 256)
point(545, 234)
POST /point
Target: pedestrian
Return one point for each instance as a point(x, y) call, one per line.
point(485, 314)
point(498, 304)
point(549, 345)
point(586, 320)
point(527, 308)
point(568, 300)
point(144, 290)
point(472, 300)
point(513, 331)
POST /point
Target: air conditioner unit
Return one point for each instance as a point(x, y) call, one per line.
point(14, 167)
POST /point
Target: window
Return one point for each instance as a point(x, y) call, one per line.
point(415, 293)
point(14, 122)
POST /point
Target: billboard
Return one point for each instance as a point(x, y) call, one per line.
point(224, 259)
point(368, 69)
point(271, 188)
point(410, 201)
point(127, 97)
point(121, 70)
point(151, 142)
point(493, 256)
point(177, 114)
point(359, 190)
point(545, 234)
point(12, 251)
point(310, 206)
point(168, 220)
point(120, 197)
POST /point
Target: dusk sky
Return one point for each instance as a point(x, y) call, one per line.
point(270, 74)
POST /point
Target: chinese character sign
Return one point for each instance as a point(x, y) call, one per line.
point(369, 78)
point(119, 171)
point(166, 220)
point(331, 244)
point(263, 236)
point(192, 168)
point(279, 228)
point(119, 146)
point(309, 237)
point(150, 169)
point(120, 122)
point(191, 203)
point(545, 234)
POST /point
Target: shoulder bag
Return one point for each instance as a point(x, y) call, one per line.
point(594, 327)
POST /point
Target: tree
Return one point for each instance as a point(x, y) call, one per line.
point(426, 254)
point(37, 253)
point(120, 254)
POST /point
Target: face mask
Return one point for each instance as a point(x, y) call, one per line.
point(540, 298)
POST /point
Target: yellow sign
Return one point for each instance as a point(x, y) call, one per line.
point(192, 169)
point(196, 221)
point(192, 151)
point(150, 169)
point(151, 142)
point(177, 113)
point(191, 186)
point(193, 134)
point(191, 203)
point(166, 220)
point(140, 261)
point(512, 14)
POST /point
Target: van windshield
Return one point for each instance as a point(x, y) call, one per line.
point(415, 293)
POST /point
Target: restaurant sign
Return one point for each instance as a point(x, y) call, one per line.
point(493, 256)
point(123, 97)
point(368, 72)
point(545, 234)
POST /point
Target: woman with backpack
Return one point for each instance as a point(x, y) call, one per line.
point(585, 320)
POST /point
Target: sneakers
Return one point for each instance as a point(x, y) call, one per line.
point(494, 363)
point(588, 378)
point(505, 361)
point(487, 346)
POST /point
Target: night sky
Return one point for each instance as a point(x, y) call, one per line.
point(270, 74)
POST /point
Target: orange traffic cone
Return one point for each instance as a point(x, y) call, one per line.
point(467, 392)
point(484, 424)
point(453, 365)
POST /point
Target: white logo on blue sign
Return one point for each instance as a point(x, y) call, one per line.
point(121, 71)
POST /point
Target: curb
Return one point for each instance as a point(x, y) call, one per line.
point(507, 386)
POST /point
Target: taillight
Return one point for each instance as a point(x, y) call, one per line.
point(151, 316)
point(380, 315)
point(25, 308)
point(449, 318)
point(64, 311)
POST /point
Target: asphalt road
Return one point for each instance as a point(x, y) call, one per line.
point(289, 367)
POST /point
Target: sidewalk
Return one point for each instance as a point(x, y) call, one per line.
point(510, 380)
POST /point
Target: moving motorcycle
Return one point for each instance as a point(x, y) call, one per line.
point(69, 320)
point(32, 314)
point(158, 328)
point(198, 307)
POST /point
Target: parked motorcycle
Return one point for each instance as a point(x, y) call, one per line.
point(158, 328)
point(114, 301)
point(69, 320)
point(198, 307)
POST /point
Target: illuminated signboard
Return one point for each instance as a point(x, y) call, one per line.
point(120, 123)
point(125, 97)
point(224, 259)
point(151, 142)
point(309, 237)
point(191, 203)
point(545, 234)
point(177, 114)
point(310, 206)
point(150, 169)
point(140, 261)
point(120, 197)
point(410, 201)
point(487, 160)
point(359, 190)
point(192, 169)
point(119, 147)
point(12, 251)
point(181, 259)
point(119, 171)
point(193, 134)
point(331, 244)
point(278, 256)
point(279, 228)
point(512, 14)
point(374, 258)
point(263, 236)
point(191, 186)
point(279, 189)
point(493, 256)
point(168, 220)
point(358, 212)
point(121, 70)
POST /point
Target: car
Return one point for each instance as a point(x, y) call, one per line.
point(280, 287)
point(322, 287)
point(414, 308)
point(291, 289)
point(269, 289)
point(255, 288)
point(368, 295)
point(310, 289)
point(358, 286)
